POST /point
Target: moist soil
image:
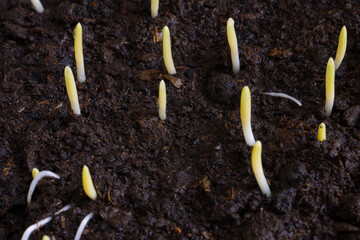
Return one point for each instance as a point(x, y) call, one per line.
point(188, 177)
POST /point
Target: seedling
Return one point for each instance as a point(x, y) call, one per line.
point(322, 132)
point(88, 184)
point(232, 39)
point(45, 237)
point(71, 90)
point(245, 115)
point(168, 60)
point(34, 172)
point(34, 227)
point(162, 100)
point(258, 169)
point(38, 6)
point(329, 87)
point(36, 179)
point(154, 8)
point(283, 95)
point(82, 226)
point(79, 56)
point(340, 53)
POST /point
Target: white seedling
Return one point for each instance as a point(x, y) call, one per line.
point(245, 116)
point(154, 8)
point(258, 169)
point(162, 100)
point(71, 90)
point(340, 53)
point(79, 53)
point(168, 60)
point(37, 6)
point(34, 227)
point(232, 40)
point(88, 184)
point(36, 179)
point(329, 86)
point(64, 209)
point(283, 95)
point(322, 132)
point(82, 226)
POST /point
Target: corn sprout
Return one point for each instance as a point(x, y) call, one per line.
point(330, 86)
point(79, 54)
point(36, 179)
point(168, 60)
point(340, 53)
point(232, 39)
point(88, 184)
point(258, 169)
point(245, 115)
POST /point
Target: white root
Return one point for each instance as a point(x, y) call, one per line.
point(82, 226)
point(283, 95)
point(35, 226)
point(36, 179)
point(64, 209)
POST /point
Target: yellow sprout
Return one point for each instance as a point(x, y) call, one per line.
point(71, 90)
point(340, 53)
point(162, 100)
point(245, 116)
point(168, 60)
point(154, 8)
point(35, 171)
point(322, 132)
point(258, 169)
point(232, 39)
point(38, 6)
point(45, 237)
point(88, 184)
point(329, 86)
point(79, 56)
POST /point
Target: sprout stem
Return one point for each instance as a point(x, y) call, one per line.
point(71, 90)
point(37, 6)
point(36, 179)
point(258, 169)
point(322, 132)
point(284, 96)
point(154, 8)
point(83, 225)
point(79, 55)
point(168, 60)
point(34, 227)
point(245, 115)
point(330, 86)
point(340, 53)
point(88, 184)
point(232, 40)
point(162, 100)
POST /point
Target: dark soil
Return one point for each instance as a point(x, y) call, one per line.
point(190, 176)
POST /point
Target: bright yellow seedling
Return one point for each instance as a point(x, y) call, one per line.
point(45, 237)
point(79, 56)
point(322, 132)
point(162, 100)
point(245, 116)
point(88, 184)
point(340, 53)
point(329, 87)
point(35, 171)
point(154, 8)
point(168, 60)
point(71, 90)
point(232, 39)
point(258, 169)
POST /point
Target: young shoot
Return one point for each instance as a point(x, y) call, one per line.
point(283, 95)
point(46, 237)
point(79, 56)
point(37, 6)
point(168, 60)
point(340, 53)
point(162, 100)
point(36, 179)
point(34, 227)
point(232, 39)
point(258, 169)
point(71, 90)
point(82, 226)
point(329, 86)
point(154, 8)
point(245, 116)
point(88, 184)
point(34, 172)
point(322, 132)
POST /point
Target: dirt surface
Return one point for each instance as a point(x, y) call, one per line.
point(188, 177)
